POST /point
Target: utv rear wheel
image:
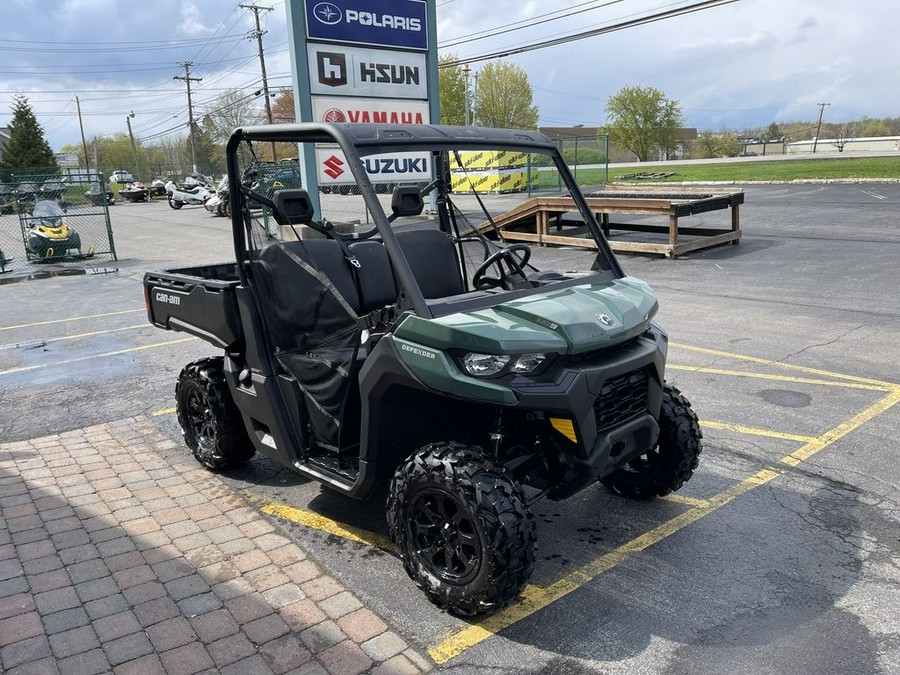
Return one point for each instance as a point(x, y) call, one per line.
point(210, 421)
point(671, 463)
point(462, 527)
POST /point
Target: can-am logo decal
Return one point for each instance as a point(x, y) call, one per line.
point(328, 13)
point(333, 167)
point(332, 68)
point(604, 319)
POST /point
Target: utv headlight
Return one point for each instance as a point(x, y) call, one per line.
point(484, 365)
point(528, 362)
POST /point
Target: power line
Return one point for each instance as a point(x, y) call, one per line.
point(526, 23)
point(543, 44)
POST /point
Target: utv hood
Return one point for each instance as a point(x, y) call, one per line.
point(566, 321)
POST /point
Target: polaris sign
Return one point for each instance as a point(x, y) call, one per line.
point(335, 70)
point(332, 168)
point(382, 23)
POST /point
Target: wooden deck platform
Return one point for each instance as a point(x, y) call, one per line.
point(540, 220)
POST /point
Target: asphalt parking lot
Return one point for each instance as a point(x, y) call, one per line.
point(780, 555)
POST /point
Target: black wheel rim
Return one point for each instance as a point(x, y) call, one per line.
point(443, 536)
point(643, 466)
point(200, 420)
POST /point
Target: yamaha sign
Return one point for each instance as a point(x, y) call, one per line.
point(335, 70)
point(381, 23)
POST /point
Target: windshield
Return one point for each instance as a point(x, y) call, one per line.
point(47, 209)
point(496, 203)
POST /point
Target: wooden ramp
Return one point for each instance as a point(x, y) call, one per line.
point(540, 220)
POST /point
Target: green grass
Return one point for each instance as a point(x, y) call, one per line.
point(851, 168)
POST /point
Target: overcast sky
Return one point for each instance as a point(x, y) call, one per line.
point(739, 65)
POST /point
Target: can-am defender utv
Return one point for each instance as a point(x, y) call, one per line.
point(366, 342)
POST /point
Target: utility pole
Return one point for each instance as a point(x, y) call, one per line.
point(466, 71)
point(87, 160)
point(822, 107)
point(258, 34)
point(137, 166)
point(188, 79)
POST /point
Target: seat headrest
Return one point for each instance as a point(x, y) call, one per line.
point(292, 207)
point(406, 201)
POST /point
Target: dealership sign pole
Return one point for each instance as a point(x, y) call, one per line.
point(363, 61)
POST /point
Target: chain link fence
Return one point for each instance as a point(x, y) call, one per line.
point(586, 156)
point(45, 218)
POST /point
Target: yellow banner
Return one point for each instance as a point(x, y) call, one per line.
point(485, 181)
point(488, 159)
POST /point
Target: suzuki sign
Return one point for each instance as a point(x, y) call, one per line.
point(335, 70)
point(401, 167)
point(382, 23)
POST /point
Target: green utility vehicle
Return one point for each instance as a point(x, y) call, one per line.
point(381, 331)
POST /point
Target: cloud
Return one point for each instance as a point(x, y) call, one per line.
point(192, 22)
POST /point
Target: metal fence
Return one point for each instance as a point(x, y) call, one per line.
point(51, 219)
point(586, 156)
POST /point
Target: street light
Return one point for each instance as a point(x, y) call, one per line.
point(137, 166)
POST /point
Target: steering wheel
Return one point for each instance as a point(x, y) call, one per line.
point(513, 261)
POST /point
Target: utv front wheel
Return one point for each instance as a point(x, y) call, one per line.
point(671, 463)
point(210, 421)
point(462, 527)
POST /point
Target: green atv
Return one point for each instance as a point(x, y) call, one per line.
point(390, 336)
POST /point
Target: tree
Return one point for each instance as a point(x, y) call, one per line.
point(773, 133)
point(228, 111)
point(27, 147)
point(452, 88)
point(283, 107)
point(504, 99)
point(643, 121)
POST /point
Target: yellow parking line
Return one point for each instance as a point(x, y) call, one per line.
point(784, 378)
point(817, 444)
point(164, 411)
point(25, 369)
point(683, 499)
point(323, 524)
point(76, 337)
point(779, 364)
point(534, 599)
point(74, 318)
point(753, 431)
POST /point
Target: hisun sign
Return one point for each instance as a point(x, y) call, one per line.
point(381, 23)
point(335, 70)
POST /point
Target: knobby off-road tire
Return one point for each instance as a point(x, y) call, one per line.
point(209, 419)
point(462, 527)
point(671, 463)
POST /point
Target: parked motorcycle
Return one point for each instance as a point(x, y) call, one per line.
point(178, 197)
point(218, 204)
point(49, 238)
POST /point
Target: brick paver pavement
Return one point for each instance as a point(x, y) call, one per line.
point(116, 559)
